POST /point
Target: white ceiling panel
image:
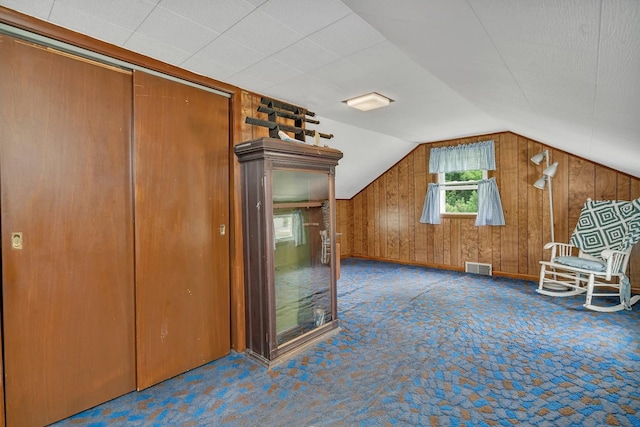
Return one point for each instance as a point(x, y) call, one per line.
point(141, 43)
point(622, 125)
point(487, 80)
point(379, 56)
point(218, 16)
point(618, 100)
point(619, 60)
point(305, 55)
point(262, 33)
point(571, 24)
point(558, 61)
point(174, 30)
point(257, 3)
point(618, 152)
point(80, 22)
point(339, 72)
point(38, 8)
point(563, 72)
point(271, 71)
point(230, 54)
point(246, 80)
point(201, 64)
point(127, 14)
point(556, 94)
point(315, 14)
point(355, 35)
point(307, 90)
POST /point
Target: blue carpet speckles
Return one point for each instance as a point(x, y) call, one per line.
point(419, 347)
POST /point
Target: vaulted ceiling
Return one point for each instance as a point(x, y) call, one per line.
point(563, 72)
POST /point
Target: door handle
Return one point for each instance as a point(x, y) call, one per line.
point(16, 240)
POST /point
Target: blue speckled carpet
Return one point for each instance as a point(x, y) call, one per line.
point(419, 347)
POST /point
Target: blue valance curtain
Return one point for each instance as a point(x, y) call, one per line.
point(463, 157)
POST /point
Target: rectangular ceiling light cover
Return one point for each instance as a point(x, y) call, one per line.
point(370, 101)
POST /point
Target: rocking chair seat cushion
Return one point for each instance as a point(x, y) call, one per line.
point(577, 262)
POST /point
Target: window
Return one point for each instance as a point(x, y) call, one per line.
point(459, 191)
point(463, 187)
point(283, 227)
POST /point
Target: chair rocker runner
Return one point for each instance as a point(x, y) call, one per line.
point(596, 256)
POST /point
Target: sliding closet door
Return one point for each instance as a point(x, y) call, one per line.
point(67, 233)
point(182, 247)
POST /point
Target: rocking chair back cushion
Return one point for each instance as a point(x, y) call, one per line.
point(607, 225)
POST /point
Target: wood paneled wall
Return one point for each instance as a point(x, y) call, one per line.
point(344, 226)
point(249, 108)
point(382, 221)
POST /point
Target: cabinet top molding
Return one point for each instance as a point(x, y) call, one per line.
point(273, 148)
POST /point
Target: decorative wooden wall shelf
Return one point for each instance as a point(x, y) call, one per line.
point(275, 109)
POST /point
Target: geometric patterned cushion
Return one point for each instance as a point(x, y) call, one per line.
point(607, 224)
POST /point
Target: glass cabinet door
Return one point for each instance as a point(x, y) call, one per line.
point(302, 252)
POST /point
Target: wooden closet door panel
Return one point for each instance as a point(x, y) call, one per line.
point(181, 197)
point(68, 294)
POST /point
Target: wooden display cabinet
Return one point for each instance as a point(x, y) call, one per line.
point(289, 246)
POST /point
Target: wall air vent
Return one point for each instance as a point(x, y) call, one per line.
point(477, 268)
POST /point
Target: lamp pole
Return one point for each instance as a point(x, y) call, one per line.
point(547, 175)
point(549, 179)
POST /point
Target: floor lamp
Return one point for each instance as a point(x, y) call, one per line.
point(542, 182)
point(545, 181)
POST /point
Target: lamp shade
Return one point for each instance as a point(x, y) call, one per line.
point(540, 183)
point(539, 157)
point(551, 170)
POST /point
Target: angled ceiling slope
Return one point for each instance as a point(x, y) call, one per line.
point(563, 72)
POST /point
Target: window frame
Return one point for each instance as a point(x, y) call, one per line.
point(457, 185)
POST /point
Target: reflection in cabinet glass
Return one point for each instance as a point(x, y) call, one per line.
point(302, 266)
point(289, 234)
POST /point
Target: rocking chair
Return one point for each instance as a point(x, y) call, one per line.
point(596, 256)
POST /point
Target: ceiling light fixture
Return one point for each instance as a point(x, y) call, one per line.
point(370, 101)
